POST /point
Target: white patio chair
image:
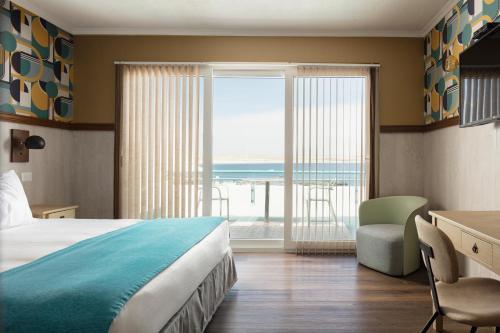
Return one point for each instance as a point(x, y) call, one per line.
point(219, 193)
point(321, 194)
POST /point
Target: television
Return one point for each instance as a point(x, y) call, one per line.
point(480, 78)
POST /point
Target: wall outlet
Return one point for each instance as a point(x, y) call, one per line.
point(26, 176)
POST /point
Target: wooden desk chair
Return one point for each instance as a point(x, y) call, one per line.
point(470, 301)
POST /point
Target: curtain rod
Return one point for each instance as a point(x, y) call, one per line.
point(256, 64)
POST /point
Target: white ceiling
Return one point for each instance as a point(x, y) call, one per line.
point(244, 17)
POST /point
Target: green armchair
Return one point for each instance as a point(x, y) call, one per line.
point(387, 239)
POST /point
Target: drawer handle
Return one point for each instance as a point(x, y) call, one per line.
point(475, 249)
point(61, 217)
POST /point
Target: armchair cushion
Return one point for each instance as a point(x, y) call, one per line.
point(380, 246)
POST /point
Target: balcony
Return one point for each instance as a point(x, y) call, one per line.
point(325, 202)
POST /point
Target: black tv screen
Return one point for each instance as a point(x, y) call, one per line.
point(480, 79)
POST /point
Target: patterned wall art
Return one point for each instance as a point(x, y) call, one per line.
point(443, 46)
point(36, 66)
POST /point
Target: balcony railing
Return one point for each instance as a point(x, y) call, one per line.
point(247, 189)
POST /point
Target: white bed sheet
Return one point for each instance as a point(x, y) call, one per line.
point(155, 303)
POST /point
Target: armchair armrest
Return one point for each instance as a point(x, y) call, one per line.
point(390, 210)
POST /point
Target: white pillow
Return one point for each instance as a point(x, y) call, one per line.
point(14, 207)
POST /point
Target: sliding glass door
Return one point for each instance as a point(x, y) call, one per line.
point(279, 150)
point(290, 154)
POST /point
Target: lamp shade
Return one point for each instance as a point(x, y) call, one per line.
point(34, 142)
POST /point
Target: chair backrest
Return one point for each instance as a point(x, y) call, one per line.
point(390, 210)
point(443, 262)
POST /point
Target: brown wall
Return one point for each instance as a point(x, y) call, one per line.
point(401, 76)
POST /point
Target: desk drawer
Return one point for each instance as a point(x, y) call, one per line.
point(477, 249)
point(64, 214)
point(452, 232)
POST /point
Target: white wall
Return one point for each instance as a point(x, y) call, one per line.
point(463, 168)
point(93, 183)
point(401, 164)
point(463, 173)
point(52, 167)
point(75, 167)
point(455, 168)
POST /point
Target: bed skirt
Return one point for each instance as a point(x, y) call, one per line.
point(197, 312)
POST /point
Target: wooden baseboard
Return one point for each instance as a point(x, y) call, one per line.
point(13, 118)
point(402, 128)
point(92, 127)
point(442, 124)
point(420, 128)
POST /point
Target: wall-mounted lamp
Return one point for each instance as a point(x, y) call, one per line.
point(20, 144)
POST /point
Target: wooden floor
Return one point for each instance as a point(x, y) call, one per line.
point(289, 293)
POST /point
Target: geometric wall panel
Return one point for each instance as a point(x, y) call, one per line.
point(36, 66)
point(443, 45)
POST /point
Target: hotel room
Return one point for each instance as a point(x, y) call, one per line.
point(250, 166)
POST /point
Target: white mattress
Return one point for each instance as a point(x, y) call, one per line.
point(154, 304)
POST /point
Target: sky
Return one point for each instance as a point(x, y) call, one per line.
point(249, 114)
point(248, 119)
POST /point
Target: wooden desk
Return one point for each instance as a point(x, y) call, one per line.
point(474, 234)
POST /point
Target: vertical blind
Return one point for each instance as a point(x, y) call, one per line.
point(331, 156)
point(160, 135)
point(480, 94)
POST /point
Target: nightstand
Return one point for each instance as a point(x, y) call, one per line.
point(54, 211)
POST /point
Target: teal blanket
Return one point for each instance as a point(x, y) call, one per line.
point(83, 287)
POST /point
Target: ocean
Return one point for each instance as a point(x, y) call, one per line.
point(343, 173)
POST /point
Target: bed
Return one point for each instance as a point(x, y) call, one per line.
point(182, 298)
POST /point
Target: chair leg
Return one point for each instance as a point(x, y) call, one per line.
point(334, 215)
point(332, 211)
point(308, 206)
point(473, 329)
point(429, 323)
